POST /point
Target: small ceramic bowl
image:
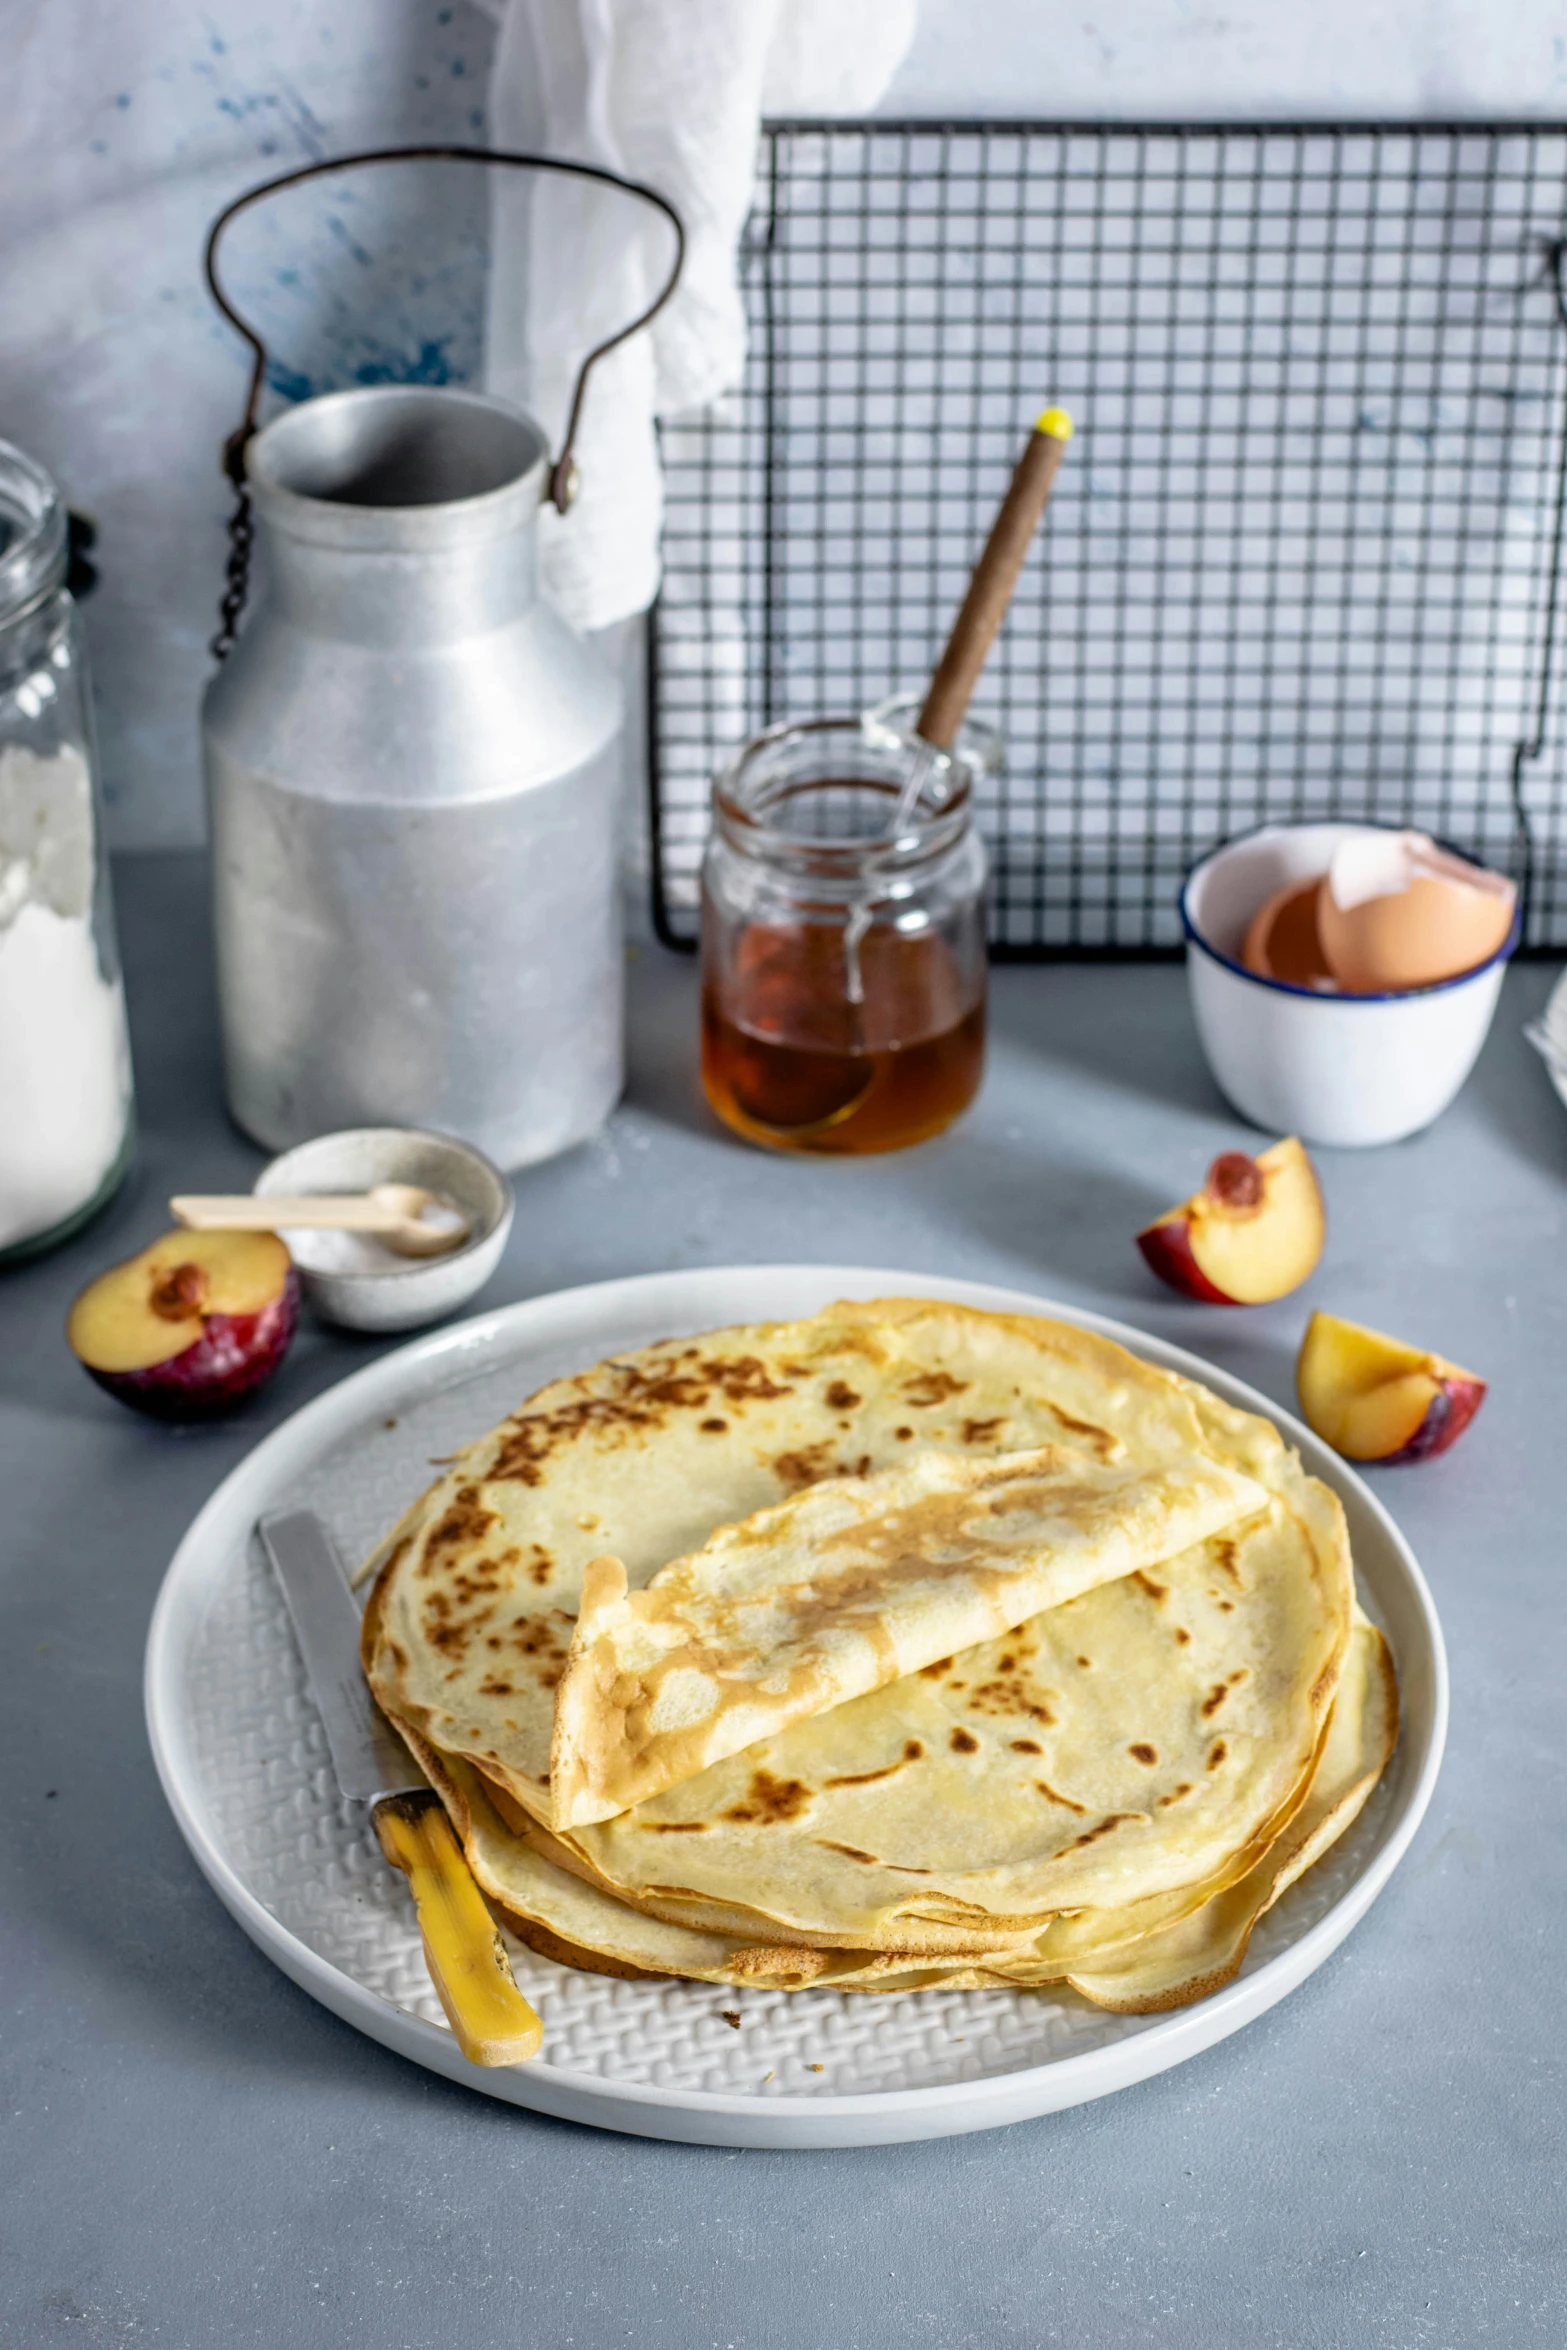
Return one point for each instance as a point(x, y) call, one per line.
point(1336, 1069)
point(395, 1293)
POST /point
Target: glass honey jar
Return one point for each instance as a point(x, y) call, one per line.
point(843, 944)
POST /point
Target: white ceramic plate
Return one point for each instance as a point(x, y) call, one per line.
point(244, 1765)
point(1554, 1021)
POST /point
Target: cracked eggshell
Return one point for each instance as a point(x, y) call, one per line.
point(1397, 912)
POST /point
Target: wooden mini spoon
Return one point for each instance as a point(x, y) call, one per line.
point(393, 1212)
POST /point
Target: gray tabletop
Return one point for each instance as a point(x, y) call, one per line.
point(199, 2155)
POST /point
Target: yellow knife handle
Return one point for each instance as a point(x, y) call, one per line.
point(491, 2020)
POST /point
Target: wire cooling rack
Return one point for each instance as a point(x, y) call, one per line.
point(1304, 558)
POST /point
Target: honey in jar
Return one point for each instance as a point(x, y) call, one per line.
point(843, 958)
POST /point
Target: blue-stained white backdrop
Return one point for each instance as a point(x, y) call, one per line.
point(125, 124)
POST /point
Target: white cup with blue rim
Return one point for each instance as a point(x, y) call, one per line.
point(1347, 1071)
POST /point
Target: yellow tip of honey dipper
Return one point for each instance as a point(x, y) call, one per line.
point(1057, 423)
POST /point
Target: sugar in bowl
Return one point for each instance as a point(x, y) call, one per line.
point(843, 935)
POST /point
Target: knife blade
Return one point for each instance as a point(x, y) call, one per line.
point(492, 2022)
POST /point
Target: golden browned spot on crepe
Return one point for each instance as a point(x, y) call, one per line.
point(1013, 1693)
point(842, 1397)
point(533, 1637)
point(860, 1778)
point(745, 1379)
point(928, 1388)
point(833, 1595)
point(1226, 1558)
point(769, 1800)
point(1108, 1447)
point(1144, 1753)
point(808, 1466)
point(1106, 1827)
point(1054, 1795)
point(464, 1522)
point(642, 1398)
point(1156, 1591)
point(982, 1431)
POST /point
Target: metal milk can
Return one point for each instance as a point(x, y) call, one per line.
point(412, 774)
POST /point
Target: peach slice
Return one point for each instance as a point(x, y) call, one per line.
point(1374, 1399)
point(1253, 1232)
point(192, 1325)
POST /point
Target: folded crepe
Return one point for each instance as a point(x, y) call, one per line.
point(1032, 1806)
point(1136, 1959)
point(1133, 1742)
point(851, 1585)
point(644, 1456)
point(1147, 1739)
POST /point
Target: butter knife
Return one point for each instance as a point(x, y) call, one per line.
point(490, 2019)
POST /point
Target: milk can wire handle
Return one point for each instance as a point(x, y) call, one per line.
point(563, 471)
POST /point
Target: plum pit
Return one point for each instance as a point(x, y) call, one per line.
point(1235, 1181)
point(179, 1294)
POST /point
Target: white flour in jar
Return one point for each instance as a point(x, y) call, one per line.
point(65, 1072)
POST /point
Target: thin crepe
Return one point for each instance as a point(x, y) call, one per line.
point(1135, 1960)
point(850, 1585)
point(1201, 1953)
point(1145, 1740)
point(1126, 1744)
point(645, 1455)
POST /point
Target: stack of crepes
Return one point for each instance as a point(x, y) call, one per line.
point(904, 1647)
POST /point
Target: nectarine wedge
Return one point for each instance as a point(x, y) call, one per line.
point(192, 1325)
point(1253, 1233)
point(1374, 1399)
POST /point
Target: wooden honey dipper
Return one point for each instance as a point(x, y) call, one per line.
point(984, 607)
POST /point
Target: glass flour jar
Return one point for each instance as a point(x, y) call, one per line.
point(65, 1070)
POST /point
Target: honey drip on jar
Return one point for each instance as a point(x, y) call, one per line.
point(792, 1060)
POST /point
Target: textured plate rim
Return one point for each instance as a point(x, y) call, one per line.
point(1555, 1019)
point(733, 2117)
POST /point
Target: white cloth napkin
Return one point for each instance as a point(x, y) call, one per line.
point(671, 92)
